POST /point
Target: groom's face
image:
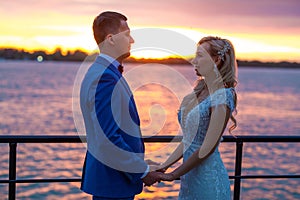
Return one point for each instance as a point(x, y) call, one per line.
point(123, 41)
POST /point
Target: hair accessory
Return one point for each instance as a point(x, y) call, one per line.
point(224, 50)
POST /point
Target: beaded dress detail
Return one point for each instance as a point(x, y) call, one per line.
point(209, 180)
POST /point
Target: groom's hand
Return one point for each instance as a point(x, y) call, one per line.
point(152, 177)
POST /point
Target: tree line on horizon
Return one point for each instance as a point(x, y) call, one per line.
point(79, 55)
point(57, 55)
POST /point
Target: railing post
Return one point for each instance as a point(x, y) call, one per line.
point(238, 170)
point(12, 170)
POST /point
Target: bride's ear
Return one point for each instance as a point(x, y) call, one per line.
point(217, 60)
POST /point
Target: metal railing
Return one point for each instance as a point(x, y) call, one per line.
point(13, 140)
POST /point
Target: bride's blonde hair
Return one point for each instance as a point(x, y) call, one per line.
point(223, 49)
point(227, 69)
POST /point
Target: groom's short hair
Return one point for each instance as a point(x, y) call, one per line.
point(105, 23)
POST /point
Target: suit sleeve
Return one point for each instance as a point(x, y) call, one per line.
point(115, 152)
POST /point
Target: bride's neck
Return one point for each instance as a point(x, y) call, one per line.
point(212, 83)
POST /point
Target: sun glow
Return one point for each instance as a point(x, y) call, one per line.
point(247, 46)
point(150, 54)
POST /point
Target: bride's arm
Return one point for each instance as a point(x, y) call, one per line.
point(219, 118)
point(174, 157)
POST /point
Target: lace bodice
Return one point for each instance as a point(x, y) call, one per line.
point(209, 180)
point(195, 124)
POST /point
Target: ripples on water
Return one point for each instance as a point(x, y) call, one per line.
point(36, 99)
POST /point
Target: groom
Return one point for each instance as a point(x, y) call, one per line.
point(114, 166)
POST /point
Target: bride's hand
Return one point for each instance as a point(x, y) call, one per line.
point(158, 168)
point(168, 177)
point(151, 162)
point(154, 168)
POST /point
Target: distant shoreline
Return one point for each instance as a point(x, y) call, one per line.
point(79, 56)
point(241, 63)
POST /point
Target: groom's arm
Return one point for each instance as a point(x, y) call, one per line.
point(114, 149)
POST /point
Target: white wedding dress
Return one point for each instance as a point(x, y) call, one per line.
point(209, 180)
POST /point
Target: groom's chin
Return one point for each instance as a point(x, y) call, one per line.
point(124, 56)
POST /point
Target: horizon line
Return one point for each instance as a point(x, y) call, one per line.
point(66, 51)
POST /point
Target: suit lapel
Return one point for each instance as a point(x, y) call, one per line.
point(109, 66)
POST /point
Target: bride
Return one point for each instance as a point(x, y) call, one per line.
point(203, 116)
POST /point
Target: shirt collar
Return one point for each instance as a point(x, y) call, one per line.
point(113, 61)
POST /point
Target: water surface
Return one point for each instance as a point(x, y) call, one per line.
point(36, 99)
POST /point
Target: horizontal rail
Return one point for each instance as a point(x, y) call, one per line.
point(269, 176)
point(62, 180)
point(13, 140)
point(152, 139)
point(44, 180)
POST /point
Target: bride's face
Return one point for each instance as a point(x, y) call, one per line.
point(203, 62)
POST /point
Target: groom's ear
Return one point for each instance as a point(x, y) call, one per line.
point(109, 38)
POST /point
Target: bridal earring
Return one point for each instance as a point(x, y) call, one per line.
point(216, 70)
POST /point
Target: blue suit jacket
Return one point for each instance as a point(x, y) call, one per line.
point(114, 160)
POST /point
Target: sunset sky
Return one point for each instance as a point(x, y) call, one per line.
point(266, 30)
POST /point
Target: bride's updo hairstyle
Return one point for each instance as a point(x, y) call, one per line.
point(223, 49)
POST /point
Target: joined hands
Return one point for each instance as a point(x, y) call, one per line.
point(157, 174)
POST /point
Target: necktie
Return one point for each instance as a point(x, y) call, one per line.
point(120, 68)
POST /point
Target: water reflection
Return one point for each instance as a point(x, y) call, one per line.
point(35, 99)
